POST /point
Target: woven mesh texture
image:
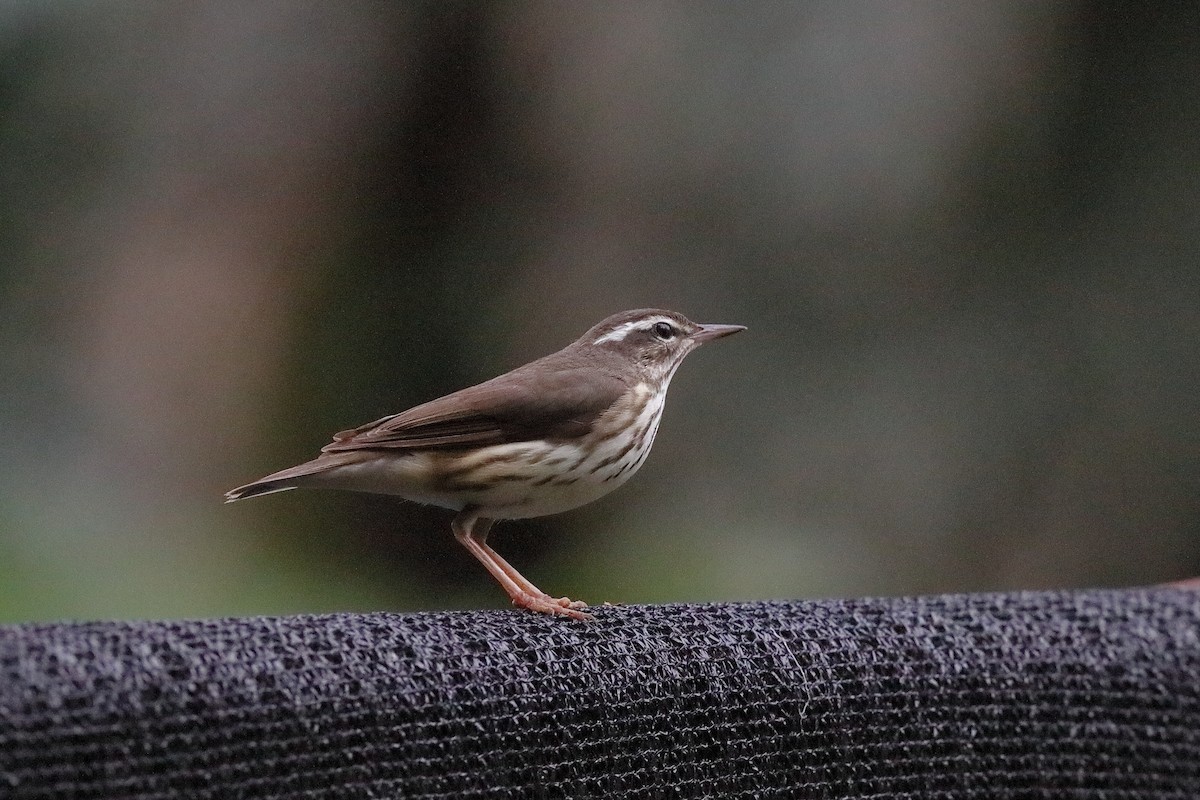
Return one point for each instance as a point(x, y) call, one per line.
point(1047, 695)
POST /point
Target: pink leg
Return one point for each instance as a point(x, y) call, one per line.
point(471, 531)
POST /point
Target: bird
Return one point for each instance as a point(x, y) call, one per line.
point(546, 437)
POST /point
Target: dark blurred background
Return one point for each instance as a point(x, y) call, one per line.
point(964, 238)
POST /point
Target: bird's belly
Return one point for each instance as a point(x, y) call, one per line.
point(517, 481)
point(575, 474)
point(524, 502)
point(510, 481)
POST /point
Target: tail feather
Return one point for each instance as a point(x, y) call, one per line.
point(254, 490)
point(290, 478)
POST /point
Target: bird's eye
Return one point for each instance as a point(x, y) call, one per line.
point(663, 330)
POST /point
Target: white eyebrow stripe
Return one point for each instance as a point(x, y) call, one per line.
point(620, 332)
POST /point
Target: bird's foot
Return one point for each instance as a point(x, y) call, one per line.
point(555, 606)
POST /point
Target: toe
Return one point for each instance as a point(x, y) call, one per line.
point(549, 605)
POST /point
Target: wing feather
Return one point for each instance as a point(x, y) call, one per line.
point(554, 398)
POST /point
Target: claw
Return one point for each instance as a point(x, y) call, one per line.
point(558, 607)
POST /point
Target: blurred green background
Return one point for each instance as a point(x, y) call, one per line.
point(964, 238)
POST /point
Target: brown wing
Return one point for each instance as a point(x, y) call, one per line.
point(551, 398)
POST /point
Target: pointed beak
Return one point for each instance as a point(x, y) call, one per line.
point(709, 332)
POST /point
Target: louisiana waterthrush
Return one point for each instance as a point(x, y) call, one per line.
point(547, 437)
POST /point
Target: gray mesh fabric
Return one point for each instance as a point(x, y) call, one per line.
point(1050, 695)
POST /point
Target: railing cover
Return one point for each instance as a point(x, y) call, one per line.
point(1088, 694)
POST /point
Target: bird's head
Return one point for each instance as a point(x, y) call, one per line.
point(654, 340)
